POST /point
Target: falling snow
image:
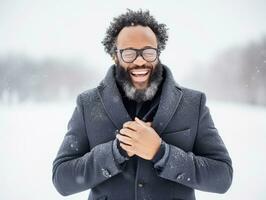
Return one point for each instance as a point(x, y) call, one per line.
point(29, 148)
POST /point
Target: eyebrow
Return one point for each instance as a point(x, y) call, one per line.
point(148, 47)
point(140, 48)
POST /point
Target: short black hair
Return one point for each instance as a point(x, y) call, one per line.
point(134, 18)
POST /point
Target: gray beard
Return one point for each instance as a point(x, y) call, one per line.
point(139, 95)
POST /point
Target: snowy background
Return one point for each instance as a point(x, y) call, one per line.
point(51, 51)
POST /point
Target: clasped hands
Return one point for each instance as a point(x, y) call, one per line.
point(139, 138)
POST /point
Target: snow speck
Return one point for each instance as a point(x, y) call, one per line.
point(115, 99)
point(80, 179)
point(74, 145)
point(181, 176)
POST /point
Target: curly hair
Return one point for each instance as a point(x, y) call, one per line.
point(134, 18)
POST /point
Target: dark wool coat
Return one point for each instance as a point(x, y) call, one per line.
point(195, 156)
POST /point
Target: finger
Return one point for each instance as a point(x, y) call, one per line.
point(136, 126)
point(140, 121)
point(148, 123)
point(129, 133)
point(124, 139)
point(131, 125)
point(130, 154)
point(127, 125)
point(127, 148)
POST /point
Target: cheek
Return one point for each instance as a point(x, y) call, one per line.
point(122, 64)
point(155, 63)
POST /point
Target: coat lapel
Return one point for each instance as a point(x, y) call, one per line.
point(114, 107)
point(112, 101)
point(170, 99)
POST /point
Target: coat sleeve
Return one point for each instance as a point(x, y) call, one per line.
point(77, 167)
point(208, 167)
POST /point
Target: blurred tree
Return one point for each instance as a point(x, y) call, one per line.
point(23, 79)
point(237, 74)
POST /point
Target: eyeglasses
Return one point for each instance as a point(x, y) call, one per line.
point(129, 55)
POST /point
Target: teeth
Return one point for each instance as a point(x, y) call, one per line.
point(140, 72)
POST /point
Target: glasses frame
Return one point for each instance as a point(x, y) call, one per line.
point(139, 52)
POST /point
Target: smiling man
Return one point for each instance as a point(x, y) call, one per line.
point(138, 69)
point(139, 134)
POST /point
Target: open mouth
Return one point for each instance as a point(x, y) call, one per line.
point(139, 72)
point(139, 75)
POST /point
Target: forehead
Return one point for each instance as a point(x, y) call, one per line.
point(136, 37)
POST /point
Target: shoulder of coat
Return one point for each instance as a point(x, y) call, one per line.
point(88, 96)
point(190, 93)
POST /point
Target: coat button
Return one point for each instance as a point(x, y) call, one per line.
point(140, 184)
point(106, 173)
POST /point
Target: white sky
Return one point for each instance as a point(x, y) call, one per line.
point(198, 30)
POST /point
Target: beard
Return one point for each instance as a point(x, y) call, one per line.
point(123, 78)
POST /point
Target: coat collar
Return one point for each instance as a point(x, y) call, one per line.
point(113, 104)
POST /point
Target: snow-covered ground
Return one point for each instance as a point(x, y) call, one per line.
point(30, 135)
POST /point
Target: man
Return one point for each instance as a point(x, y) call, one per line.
point(139, 135)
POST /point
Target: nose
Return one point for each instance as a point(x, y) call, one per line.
point(139, 61)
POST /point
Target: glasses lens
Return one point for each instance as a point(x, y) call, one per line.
point(149, 54)
point(129, 55)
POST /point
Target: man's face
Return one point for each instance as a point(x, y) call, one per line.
point(137, 37)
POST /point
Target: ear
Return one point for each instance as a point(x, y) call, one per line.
point(115, 59)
